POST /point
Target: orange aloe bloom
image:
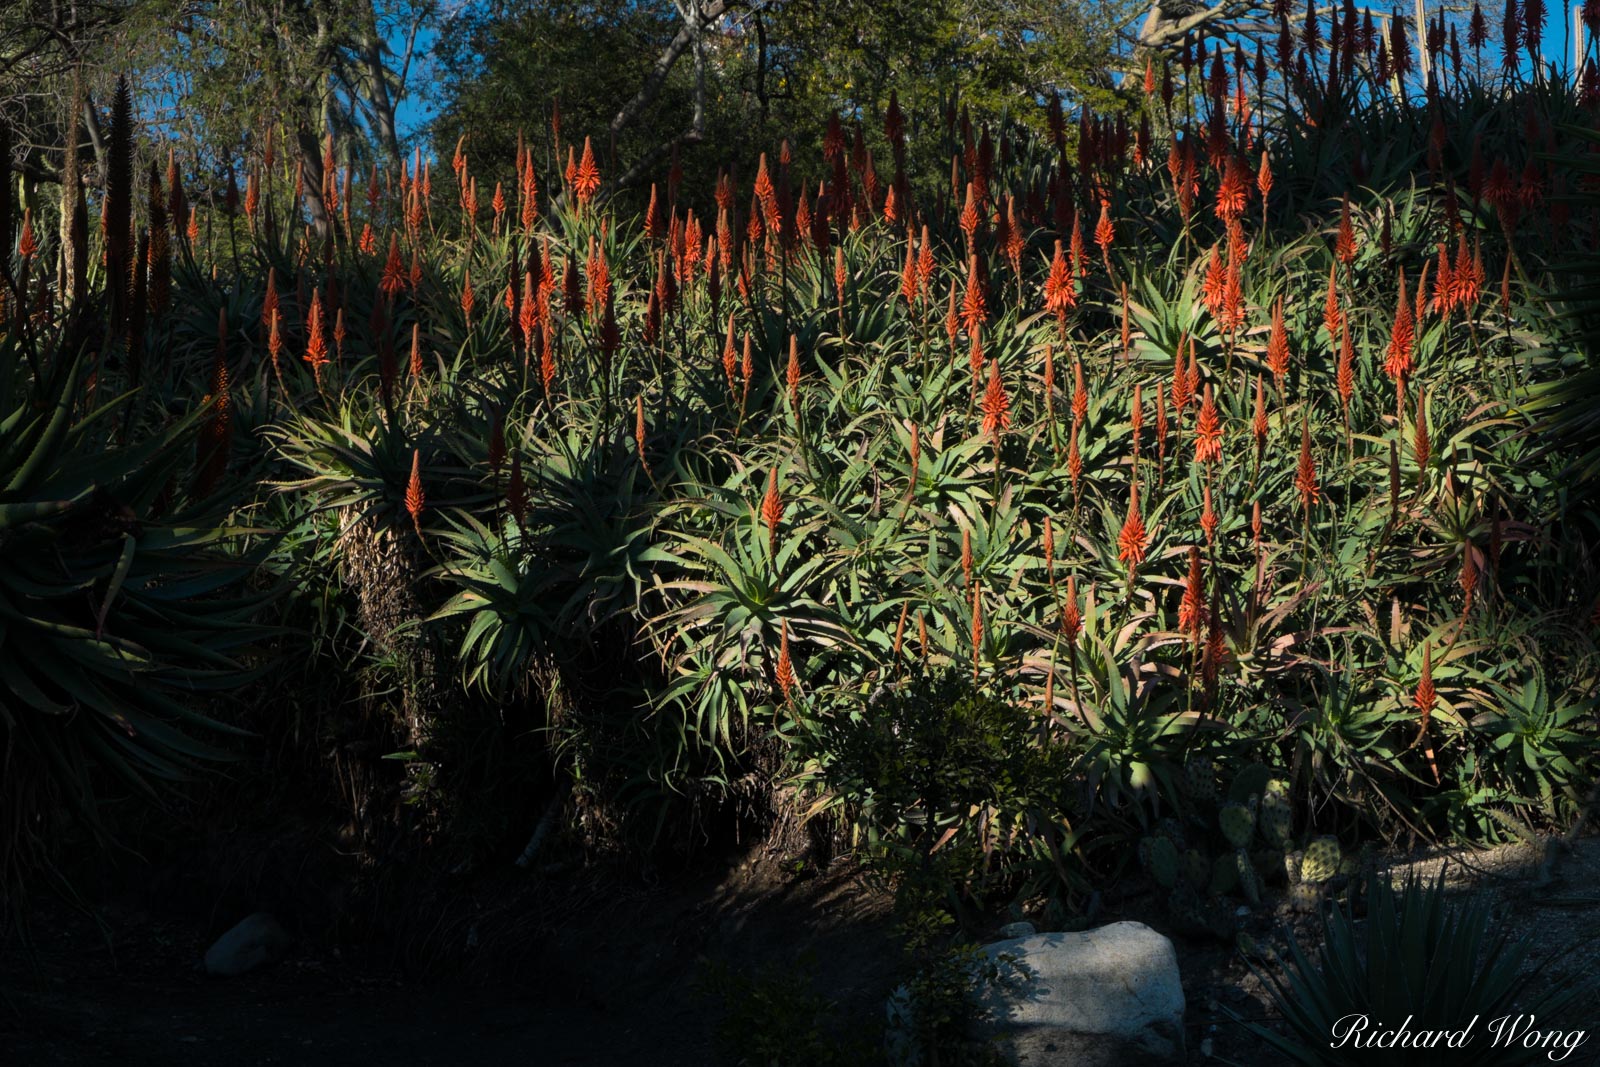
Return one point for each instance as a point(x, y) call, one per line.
point(275, 342)
point(586, 179)
point(772, 511)
point(1278, 345)
point(1332, 315)
point(498, 203)
point(316, 336)
point(1255, 522)
point(1232, 297)
point(269, 301)
point(1132, 540)
point(1345, 378)
point(193, 230)
point(1074, 458)
point(1426, 696)
point(1214, 286)
point(1421, 447)
point(394, 270)
point(974, 303)
point(414, 496)
point(996, 405)
point(1182, 377)
point(369, 240)
point(1049, 548)
point(1191, 609)
point(925, 261)
point(1397, 364)
point(730, 357)
point(908, 276)
point(416, 350)
point(1071, 617)
point(1059, 294)
point(1208, 431)
point(1208, 516)
point(966, 556)
point(841, 276)
point(1305, 476)
point(469, 299)
point(793, 377)
point(1104, 231)
point(970, 217)
point(784, 673)
point(1264, 174)
point(1080, 395)
point(1344, 246)
point(1233, 192)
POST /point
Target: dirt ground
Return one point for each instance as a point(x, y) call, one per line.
point(586, 972)
point(603, 977)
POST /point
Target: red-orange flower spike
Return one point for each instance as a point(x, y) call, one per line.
point(1345, 377)
point(996, 405)
point(1278, 345)
point(1080, 395)
point(394, 269)
point(1208, 516)
point(1305, 476)
point(1104, 231)
point(794, 372)
point(1191, 609)
point(1071, 616)
point(416, 350)
point(1332, 314)
point(1425, 698)
point(1132, 540)
point(966, 556)
point(1398, 361)
point(772, 511)
point(784, 672)
point(974, 302)
point(1208, 431)
point(1344, 245)
point(316, 336)
point(586, 179)
point(415, 500)
point(1059, 295)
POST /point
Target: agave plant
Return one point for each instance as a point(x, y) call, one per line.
point(1419, 961)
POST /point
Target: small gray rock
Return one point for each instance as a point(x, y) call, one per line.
point(256, 941)
point(1099, 998)
point(1016, 929)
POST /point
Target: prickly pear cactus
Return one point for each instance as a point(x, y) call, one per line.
point(1291, 865)
point(1160, 857)
point(1277, 816)
point(1238, 823)
point(1321, 860)
point(1249, 881)
point(1304, 896)
point(1268, 863)
point(1200, 779)
point(1224, 876)
point(1196, 869)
